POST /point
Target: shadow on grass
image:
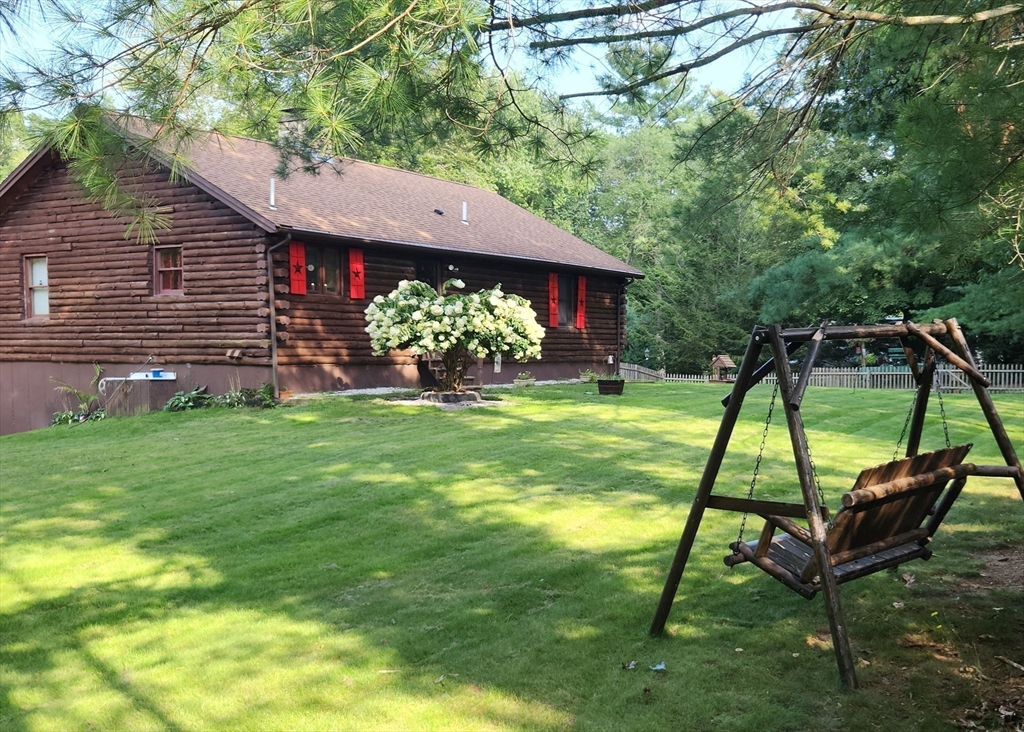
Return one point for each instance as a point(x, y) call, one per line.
point(367, 566)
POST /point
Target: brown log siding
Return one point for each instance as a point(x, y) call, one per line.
point(102, 305)
point(330, 329)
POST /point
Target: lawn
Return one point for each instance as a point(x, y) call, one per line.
point(356, 563)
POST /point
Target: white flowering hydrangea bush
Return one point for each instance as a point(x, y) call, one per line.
point(483, 324)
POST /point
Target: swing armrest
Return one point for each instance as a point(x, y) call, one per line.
point(909, 483)
point(795, 530)
point(764, 543)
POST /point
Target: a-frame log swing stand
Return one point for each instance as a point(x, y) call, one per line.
point(892, 511)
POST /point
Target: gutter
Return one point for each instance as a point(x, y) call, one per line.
point(273, 312)
point(630, 274)
point(618, 324)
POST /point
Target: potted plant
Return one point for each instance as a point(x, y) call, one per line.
point(525, 378)
point(610, 384)
point(588, 376)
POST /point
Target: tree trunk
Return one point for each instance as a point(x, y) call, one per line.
point(455, 366)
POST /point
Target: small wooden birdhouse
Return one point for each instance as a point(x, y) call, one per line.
point(717, 364)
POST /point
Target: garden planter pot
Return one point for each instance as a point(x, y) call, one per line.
point(609, 386)
point(524, 382)
point(451, 397)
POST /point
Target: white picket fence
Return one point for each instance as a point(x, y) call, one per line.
point(1004, 377)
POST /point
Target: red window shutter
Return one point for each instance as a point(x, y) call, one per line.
point(356, 275)
point(297, 267)
point(581, 302)
point(553, 300)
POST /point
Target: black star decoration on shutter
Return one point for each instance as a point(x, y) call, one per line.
point(357, 274)
point(298, 268)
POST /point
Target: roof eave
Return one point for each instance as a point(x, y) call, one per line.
point(15, 176)
point(209, 188)
point(440, 248)
point(231, 202)
point(11, 181)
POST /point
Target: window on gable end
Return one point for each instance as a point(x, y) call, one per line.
point(37, 287)
point(168, 277)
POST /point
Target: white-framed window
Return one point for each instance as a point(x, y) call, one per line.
point(37, 288)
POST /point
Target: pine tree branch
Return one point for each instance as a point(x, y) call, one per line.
point(838, 12)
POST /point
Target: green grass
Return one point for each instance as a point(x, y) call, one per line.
point(360, 564)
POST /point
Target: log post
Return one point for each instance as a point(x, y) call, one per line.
point(808, 366)
point(924, 390)
point(987, 407)
point(965, 365)
point(911, 360)
point(840, 641)
point(707, 480)
point(763, 370)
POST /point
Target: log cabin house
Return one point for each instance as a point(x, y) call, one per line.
point(264, 279)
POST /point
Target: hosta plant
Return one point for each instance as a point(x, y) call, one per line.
point(457, 326)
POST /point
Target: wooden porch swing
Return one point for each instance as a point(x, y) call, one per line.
point(888, 516)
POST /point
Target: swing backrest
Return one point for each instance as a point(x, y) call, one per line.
point(893, 514)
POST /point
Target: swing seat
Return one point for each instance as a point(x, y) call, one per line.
point(881, 523)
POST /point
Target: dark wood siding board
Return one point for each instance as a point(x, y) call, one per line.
point(323, 329)
point(28, 398)
point(101, 297)
point(326, 329)
point(317, 358)
point(251, 357)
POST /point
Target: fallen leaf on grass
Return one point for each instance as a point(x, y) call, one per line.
point(629, 666)
point(660, 667)
point(939, 651)
point(822, 640)
point(908, 579)
point(898, 605)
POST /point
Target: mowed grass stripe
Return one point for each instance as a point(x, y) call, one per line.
point(360, 564)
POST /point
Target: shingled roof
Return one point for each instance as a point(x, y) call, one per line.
point(374, 203)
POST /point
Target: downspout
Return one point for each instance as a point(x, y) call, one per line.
point(619, 295)
point(273, 312)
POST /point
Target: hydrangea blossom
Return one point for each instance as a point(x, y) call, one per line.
point(416, 318)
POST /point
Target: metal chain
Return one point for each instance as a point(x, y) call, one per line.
point(942, 411)
point(757, 464)
point(942, 408)
point(817, 484)
point(906, 424)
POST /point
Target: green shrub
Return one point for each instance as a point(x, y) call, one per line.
point(245, 396)
point(70, 417)
point(242, 396)
point(183, 401)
